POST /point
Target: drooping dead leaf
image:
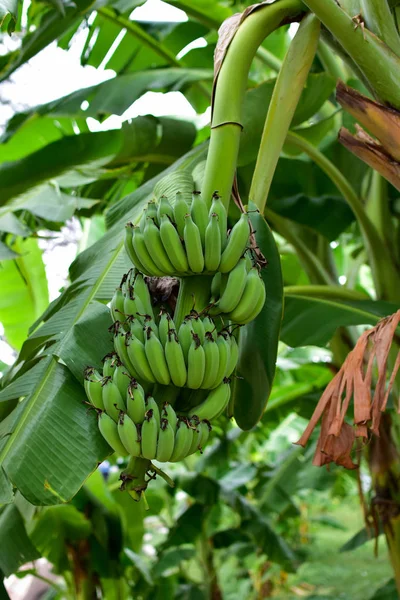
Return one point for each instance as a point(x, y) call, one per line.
point(383, 153)
point(366, 365)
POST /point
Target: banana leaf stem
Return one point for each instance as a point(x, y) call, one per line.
point(227, 119)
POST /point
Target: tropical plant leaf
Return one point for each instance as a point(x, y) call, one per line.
point(258, 341)
point(313, 321)
point(16, 547)
point(24, 294)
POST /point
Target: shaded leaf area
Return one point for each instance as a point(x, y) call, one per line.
point(144, 139)
point(361, 537)
point(24, 294)
point(313, 321)
point(16, 547)
point(258, 340)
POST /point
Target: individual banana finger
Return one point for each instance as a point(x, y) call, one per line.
point(205, 430)
point(196, 364)
point(93, 387)
point(135, 402)
point(224, 349)
point(156, 357)
point(129, 434)
point(164, 208)
point(234, 356)
point(121, 378)
point(165, 324)
point(109, 430)
point(154, 245)
point(140, 248)
point(234, 288)
point(121, 348)
point(130, 249)
point(137, 356)
point(183, 441)
point(198, 326)
point(211, 354)
point(212, 243)
point(236, 246)
point(196, 441)
point(117, 305)
point(193, 245)
point(252, 300)
point(199, 214)
point(166, 441)
point(151, 404)
point(185, 337)
point(218, 208)
point(173, 245)
point(175, 359)
point(181, 208)
point(149, 435)
point(142, 293)
point(169, 413)
point(216, 402)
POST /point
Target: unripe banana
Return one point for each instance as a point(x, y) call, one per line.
point(196, 364)
point(117, 305)
point(224, 349)
point(181, 208)
point(234, 288)
point(211, 354)
point(212, 253)
point(143, 254)
point(234, 356)
point(129, 435)
point(216, 287)
point(219, 209)
point(130, 249)
point(169, 413)
point(165, 324)
point(185, 337)
point(109, 431)
point(209, 326)
point(142, 294)
point(149, 321)
point(199, 213)
point(156, 357)
point(249, 262)
point(194, 249)
point(149, 436)
point(164, 208)
point(166, 441)
point(122, 351)
point(93, 387)
point(151, 211)
point(252, 300)
point(215, 403)
point(196, 442)
point(173, 245)
point(236, 245)
point(109, 364)
point(151, 404)
point(183, 441)
point(154, 245)
point(112, 399)
point(205, 430)
point(142, 222)
point(135, 402)
point(136, 329)
point(198, 326)
point(175, 359)
point(132, 305)
point(122, 379)
point(137, 355)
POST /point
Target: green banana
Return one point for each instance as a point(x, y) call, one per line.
point(234, 356)
point(199, 213)
point(93, 387)
point(234, 288)
point(205, 430)
point(142, 222)
point(142, 294)
point(236, 246)
point(155, 247)
point(252, 300)
point(185, 337)
point(109, 431)
point(164, 208)
point(140, 248)
point(175, 359)
point(120, 339)
point(215, 287)
point(169, 413)
point(151, 211)
point(136, 329)
point(151, 404)
point(117, 305)
point(183, 441)
point(166, 441)
point(109, 364)
point(211, 354)
point(196, 364)
point(181, 208)
point(135, 402)
point(137, 355)
point(218, 208)
point(122, 379)
point(130, 249)
point(149, 436)
point(156, 357)
point(209, 326)
point(150, 322)
point(112, 399)
point(224, 349)
point(129, 435)
point(173, 245)
point(198, 326)
point(194, 249)
point(212, 253)
point(194, 424)
point(164, 325)
point(215, 403)
point(132, 304)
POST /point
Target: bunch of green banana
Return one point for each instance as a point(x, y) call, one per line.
point(131, 298)
point(239, 295)
point(185, 239)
